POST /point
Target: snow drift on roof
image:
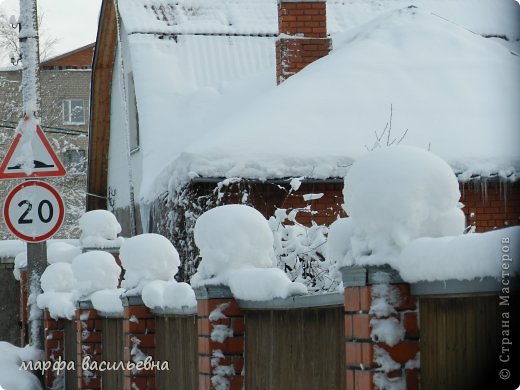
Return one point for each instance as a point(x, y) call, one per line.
point(456, 93)
point(483, 17)
point(249, 17)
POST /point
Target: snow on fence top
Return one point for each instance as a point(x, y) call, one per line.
point(408, 216)
point(10, 248)
point(454, 91)
point(463, 257)
point(148, 257)
point(151, 262)
point(236, 247)
point(61, 252)
point(95, 270)
point(394, 195)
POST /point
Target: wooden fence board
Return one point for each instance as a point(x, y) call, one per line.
point(459, 341)
point(70, 353)
point(113, 344)
point(295, 349)
point(177, 344)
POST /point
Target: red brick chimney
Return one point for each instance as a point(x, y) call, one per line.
point(302, 25)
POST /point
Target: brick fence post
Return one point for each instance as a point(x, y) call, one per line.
point(220, 339)
point(303, 25)
point(362, 345)
point(139, 342)
point(89, 328)
point(54, 344)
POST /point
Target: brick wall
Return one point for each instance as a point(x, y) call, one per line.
point(491, 205)
point(303, 25)
point(77, 59)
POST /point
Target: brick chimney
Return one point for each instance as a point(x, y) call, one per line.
point(302, 25)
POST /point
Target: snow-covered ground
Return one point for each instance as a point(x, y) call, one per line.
point(12, 377)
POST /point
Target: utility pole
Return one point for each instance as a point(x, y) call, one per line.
point(36, 252)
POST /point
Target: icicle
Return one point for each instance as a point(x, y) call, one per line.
point(484, 190)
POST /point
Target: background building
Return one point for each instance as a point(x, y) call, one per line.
point(65, 91)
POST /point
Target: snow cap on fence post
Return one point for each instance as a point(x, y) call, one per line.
point(394, 195)
point(99, 229)
point(236, 247)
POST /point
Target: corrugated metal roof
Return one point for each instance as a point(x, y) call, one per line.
point(230, 17)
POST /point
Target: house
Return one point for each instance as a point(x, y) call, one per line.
point(65, 91)
point(186, 115)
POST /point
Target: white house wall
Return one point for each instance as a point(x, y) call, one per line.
point(118, 179)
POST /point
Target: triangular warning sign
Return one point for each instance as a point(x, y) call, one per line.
point(30, 154)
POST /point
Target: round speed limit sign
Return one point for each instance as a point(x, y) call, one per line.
point(33, 211)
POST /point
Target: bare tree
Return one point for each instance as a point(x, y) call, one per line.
point(9, 36)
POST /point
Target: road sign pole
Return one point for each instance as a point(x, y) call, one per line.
point(29, 48)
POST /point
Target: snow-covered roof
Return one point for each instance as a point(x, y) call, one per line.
point(201, 80)
point(259, 17)
point(248, 17)
point(212, 108)
point(455, 91)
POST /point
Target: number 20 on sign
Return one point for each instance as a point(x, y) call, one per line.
point(33, 211)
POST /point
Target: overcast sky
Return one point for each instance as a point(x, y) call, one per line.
point(72, 22)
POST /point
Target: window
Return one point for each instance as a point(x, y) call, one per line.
point(74, 112)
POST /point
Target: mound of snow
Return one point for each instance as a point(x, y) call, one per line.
point(168, 295)
point(58, 277)
point(394, 195)
point(230, 237)
point(59, 304)
point(96, 270)
point(108, 301)
point(462, 257)
point(99, 229)
point(61, 252)
point(263, 284)
point(20, 261)
point(10, 248)
point(236, 246)
point(148, 257)
point(12, 377)
point(402, 193)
